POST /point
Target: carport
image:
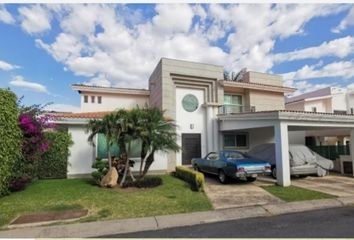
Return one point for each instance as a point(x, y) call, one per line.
point(281, 122)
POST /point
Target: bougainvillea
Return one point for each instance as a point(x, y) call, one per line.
point(34, 144)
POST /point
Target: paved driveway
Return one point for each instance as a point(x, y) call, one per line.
point(341, 186)
point(236, 194)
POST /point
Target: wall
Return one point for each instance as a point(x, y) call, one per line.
point(82, 153)
point(184, 119)
point(155, 87)
point(263, 78)
point(350, 100)
point(339, 102)
point(265, 101)
point(321, 105)
point(297, 137)
point(111, 102)
point(296, 106)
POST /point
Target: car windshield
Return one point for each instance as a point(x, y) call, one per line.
point(233, 155)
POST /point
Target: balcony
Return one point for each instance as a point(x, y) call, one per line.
point(228, 109)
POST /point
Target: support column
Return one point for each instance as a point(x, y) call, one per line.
point(351, 148)
point(215, 129)
point(209, 128)
point(282, 154)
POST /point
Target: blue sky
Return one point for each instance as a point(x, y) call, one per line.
point(46, 48)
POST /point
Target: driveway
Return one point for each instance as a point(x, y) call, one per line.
point(341, 186)
point(236, 194)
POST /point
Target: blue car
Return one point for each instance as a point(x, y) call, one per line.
point(231, 164)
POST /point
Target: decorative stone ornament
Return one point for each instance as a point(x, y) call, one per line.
point(190, 103)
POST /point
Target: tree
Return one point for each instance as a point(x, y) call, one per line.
point(107, 126)
point(157, 133)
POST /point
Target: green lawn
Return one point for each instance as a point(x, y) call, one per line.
point(174, 196)
point(293, 194)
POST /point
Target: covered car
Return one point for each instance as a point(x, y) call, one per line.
point(303, 161)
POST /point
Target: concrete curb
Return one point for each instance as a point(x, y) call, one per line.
point(105, 228)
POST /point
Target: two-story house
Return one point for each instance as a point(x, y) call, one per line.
point(211, 114)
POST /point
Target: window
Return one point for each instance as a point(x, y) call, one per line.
point(92, 99)
point(314, 109)
point(233, 155)
point(352, 111)
point(99, 99)
point(212, 156)
point(233, 103)
point(237, 140)
point(85, 99)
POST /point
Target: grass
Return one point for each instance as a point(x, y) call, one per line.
point(174, 196)
point(293, 194)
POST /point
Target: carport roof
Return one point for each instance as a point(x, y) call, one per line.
point(289, 115)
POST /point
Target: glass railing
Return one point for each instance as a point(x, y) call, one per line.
point(228, 109)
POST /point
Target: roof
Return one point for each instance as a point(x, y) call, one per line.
point(130, 91)
point(258, 86)
point(82, 115)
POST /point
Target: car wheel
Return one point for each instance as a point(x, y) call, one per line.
point(251, 179)
point(222, 177)
point(274, 172)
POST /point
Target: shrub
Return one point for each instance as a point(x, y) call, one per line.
point(194, 178)
point(54, 161)
point(146, 182)
point(10, 140)
point(102, 167)
point(18, 183)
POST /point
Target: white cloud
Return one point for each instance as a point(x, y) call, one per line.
point(5, 16)
point(305, 86)
point(96, 42)
point(19, 81)
point(340, 47)
point(5, 66)
point(35, 19)
point(62, 108)
point(346, 22)
point(100, 80)
point(341, 69)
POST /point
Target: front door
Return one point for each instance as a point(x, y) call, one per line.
point(191, 147)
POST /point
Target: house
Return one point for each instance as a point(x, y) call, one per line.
point(211, 114)
point(326, 100)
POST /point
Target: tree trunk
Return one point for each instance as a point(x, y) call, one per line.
point(142, 157)
point(123, 150)
point(148, 163)
point(109, 156)
point(147, 155)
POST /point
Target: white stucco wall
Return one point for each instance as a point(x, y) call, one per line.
point(339, 102)
point(184, 119)
point(321, 105)
point(82, 153)
point(111, 102)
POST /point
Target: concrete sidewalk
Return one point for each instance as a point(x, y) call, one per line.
point(102, 228)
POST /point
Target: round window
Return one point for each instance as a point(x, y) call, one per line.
point(190, 103)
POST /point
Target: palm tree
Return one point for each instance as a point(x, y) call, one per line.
point(157, 133)
point(106, 126)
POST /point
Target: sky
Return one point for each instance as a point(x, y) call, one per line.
point(44, 48)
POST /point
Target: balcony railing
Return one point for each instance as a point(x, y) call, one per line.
point(228, 109)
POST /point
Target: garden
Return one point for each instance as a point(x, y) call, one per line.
point(34, 158)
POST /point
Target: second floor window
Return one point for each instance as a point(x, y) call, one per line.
point(99, 99)
point(314, 109)
point(92, 99)
point(233, 103)
point(85, 99)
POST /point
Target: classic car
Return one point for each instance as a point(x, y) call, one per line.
point(231, 164)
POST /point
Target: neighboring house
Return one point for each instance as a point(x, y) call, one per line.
point(327, 100)
point(211, 114)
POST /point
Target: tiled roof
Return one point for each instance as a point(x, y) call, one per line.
point(85, 115)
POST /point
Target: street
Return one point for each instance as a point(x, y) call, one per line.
point(335, 222)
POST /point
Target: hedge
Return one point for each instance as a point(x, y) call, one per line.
point(194, 178)
point(55, 161)
point(11, 137)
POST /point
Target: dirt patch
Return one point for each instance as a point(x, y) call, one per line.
point(50, 216)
